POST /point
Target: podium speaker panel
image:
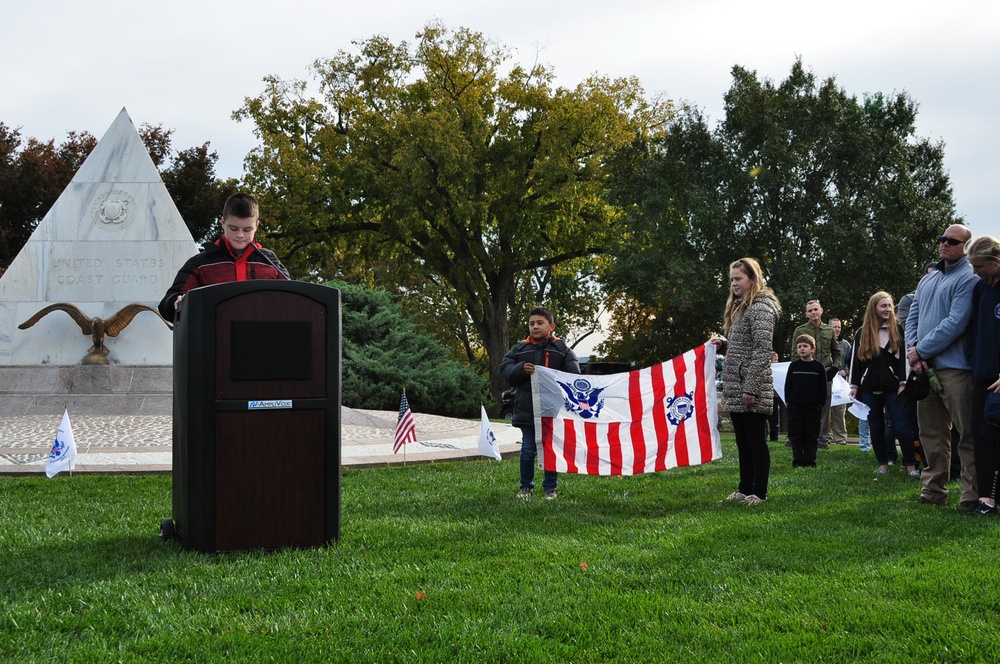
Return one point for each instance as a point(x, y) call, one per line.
point(256, 459)
point(269, 465)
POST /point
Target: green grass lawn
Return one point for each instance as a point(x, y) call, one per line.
point(441, 563)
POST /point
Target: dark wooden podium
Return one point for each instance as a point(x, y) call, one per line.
point(256, 456)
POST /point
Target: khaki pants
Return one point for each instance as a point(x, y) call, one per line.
point(838, 424)
point(936, 414)
point(824, 422)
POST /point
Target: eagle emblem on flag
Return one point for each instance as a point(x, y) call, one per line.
point(582, 398)
point(58, 450)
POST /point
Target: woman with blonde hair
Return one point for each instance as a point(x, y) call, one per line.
point(984, 350)
point(878, 373)
point(747, 383)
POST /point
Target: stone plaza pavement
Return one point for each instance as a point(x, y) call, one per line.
point(142, 443)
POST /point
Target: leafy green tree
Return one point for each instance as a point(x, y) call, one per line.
point(33, 174)
point(385, 353)
point(429, 168)
point(199, 194)
point(190, 180)
point(835, 195)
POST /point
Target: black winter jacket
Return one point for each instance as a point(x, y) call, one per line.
point(552, 353)
point(883, 373)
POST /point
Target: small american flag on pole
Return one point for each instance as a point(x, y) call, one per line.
point(643, 421)
point(406, 430)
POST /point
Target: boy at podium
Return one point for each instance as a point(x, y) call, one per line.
point(235, 256)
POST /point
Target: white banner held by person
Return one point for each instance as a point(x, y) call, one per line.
point(859, 410)
point(841, 391)
point(63, 454)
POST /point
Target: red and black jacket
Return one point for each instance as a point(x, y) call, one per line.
point(216, 264)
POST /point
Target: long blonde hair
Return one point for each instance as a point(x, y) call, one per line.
point(868, 342)
point(735, 308)
point(984, 247)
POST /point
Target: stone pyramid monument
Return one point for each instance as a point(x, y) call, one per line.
point(113, 237)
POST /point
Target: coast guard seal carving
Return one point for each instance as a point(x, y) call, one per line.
point(114, 210)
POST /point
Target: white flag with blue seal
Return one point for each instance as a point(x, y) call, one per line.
point(63, 454)
point(488, 445)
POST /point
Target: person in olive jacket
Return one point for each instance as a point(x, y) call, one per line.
point(542, 348)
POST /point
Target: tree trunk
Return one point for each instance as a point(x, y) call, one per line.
point(493, 330)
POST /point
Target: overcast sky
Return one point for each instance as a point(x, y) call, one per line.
point(70, 65)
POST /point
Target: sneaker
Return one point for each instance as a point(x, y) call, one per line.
point(524, 493)
point(550, 495)
point(753, 500)
point(924, 500)
point(737, 496)
point(971, 505)
point(982, 509)
point(881, 471)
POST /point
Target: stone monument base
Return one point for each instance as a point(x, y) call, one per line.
point(112, 389)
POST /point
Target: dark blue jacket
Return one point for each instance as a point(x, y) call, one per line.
point(983, 340)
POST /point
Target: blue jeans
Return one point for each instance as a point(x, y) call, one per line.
point(884, 405)
point(528, 454)
point(864, 443)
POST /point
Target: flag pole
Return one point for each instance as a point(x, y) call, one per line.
point(66, 409)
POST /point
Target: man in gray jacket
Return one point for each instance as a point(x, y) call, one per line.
point(935, 338)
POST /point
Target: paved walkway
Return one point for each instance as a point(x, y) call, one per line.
point(142, 444)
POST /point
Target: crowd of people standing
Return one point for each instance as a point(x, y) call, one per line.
point(936, 355)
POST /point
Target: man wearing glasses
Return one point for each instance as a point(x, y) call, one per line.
point(935, 337)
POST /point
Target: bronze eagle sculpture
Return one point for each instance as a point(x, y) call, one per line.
point(96, 327)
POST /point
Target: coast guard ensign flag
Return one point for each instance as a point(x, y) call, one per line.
point(63, 454)
point(631, 423)
point(488, 445)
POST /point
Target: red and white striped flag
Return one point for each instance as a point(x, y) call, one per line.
point(406, 429)
point(643, 421)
